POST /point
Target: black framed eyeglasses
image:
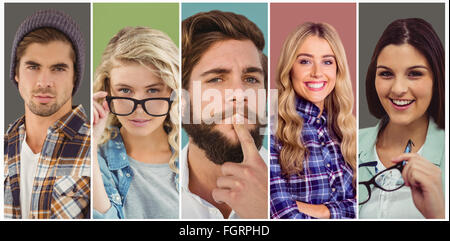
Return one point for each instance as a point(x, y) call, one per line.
point(123, 106)
point(388, 180)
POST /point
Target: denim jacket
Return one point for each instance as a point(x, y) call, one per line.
point(116, 174)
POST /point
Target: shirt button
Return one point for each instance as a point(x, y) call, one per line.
point(323, 143)
point(128, 175)
point(318, 121)
point(328, 165)
point(117, 198)
point(333, 189)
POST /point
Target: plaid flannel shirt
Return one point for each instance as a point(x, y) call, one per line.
point(61, 187)
point(326, 179)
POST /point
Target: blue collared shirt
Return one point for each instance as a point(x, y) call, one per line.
point(327, 178)
point(116, 175)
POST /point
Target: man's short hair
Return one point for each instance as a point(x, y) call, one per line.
point(49, 20)
point(42, 36)
point(201, 31)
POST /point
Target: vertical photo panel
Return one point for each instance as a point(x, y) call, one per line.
point(402, 111)
point(136, 111)
point(313, 131)
point(47, 108)
point(224, 155)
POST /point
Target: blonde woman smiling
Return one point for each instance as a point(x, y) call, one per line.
point(313, 151)
point(135, 142)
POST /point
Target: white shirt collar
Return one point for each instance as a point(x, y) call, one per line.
point(192, 205)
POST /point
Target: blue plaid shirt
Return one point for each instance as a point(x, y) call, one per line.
point(326, 179)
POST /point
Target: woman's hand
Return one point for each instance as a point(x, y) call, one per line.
point(424, 179)
point(100, 115)
point(314, 210)
point(101, 201)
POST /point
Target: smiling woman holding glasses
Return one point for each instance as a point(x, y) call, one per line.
point(135, 131)
point(407, 73)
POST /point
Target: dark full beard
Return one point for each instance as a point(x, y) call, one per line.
point(218, 148)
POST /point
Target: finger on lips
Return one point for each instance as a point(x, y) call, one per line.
point(247, 143)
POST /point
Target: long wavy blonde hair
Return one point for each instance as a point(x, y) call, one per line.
point(339, 103)
point(151, 48)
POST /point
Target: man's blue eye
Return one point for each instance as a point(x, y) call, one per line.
point(215, 80)
point(252, 80)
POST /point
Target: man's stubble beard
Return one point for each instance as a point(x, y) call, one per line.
point(48, 109)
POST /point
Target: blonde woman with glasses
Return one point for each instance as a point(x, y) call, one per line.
point(135, 134)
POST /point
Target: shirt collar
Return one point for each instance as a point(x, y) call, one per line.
point(309, 111)
point(200, 203)
point(184, 169)
point(433, 142)
point(71, 123)
point(116, 154)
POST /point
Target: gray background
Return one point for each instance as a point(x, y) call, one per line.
point(15, 13)
point(373, 19)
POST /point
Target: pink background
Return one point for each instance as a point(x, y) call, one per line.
point(284, 17)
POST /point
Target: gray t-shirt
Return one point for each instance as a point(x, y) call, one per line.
point(153, 192)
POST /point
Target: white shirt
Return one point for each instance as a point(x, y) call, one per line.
point(192, 205)
point(398, 204)
point(28, 166)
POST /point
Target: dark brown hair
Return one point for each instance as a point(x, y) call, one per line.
point(43, 36)
point(202, 30)
point(421, 35)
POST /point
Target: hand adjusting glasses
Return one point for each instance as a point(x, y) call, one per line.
point(388, 180)
point(123, 106)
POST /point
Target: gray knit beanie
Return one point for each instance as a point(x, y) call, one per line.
point(59, 21)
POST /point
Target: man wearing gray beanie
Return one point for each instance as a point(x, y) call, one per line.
point(47, 151)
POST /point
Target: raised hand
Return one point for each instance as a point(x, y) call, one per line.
point(100, 115)
point(243, 186)
point(424, 179)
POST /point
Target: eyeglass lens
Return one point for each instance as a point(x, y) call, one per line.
point(390, 179)
point(126, 106)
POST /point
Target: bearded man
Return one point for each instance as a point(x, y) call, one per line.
point(223, 172)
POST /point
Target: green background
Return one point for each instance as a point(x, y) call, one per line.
point(109, 18)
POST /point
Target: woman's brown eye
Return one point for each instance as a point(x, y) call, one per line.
point(415, 74)
point(385, 74)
